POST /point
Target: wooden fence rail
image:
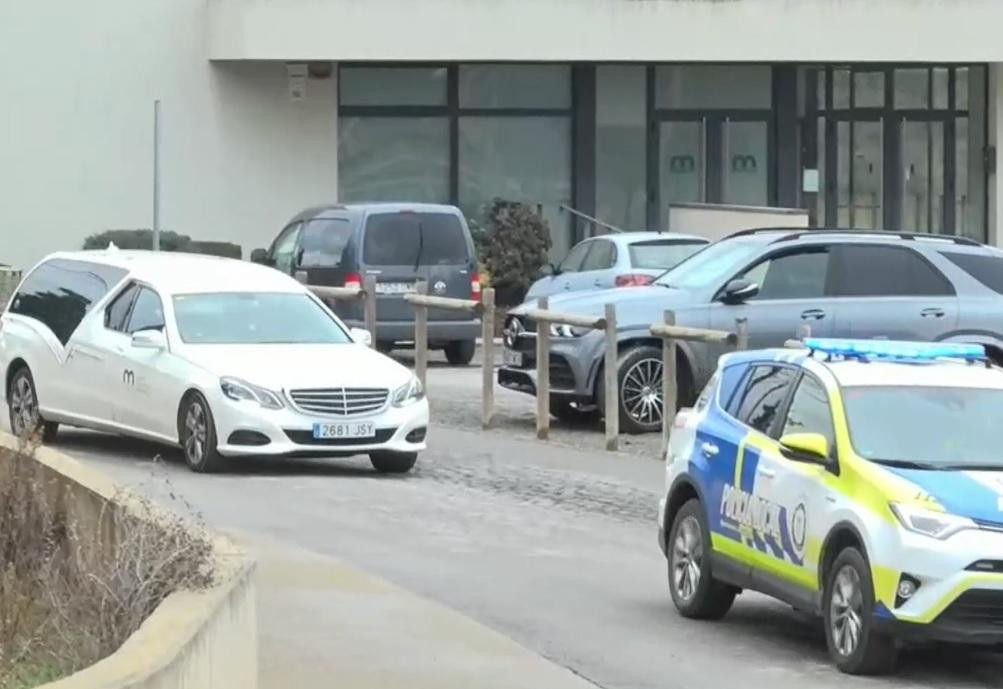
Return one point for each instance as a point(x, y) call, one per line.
point(366, 295)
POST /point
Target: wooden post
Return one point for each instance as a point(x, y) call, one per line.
point(742, 330)
point(612, 378)
point(488, 365)
point(421, 335)
point(669, 390)
point(543, 375)
point(369, 307)
point(804, 331)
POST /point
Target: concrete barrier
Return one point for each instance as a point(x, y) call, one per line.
point(194, 639)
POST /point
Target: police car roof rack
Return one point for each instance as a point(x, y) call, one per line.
point(896, 350)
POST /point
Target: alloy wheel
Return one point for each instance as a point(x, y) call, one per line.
point(846, 607)
point(642, 392)
point(23, 406)
point(687, 559)
point(196, 432)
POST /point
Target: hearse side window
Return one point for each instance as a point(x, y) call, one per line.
point(118, 311)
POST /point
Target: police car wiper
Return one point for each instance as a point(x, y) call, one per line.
point(971, 467)
point(908, 464)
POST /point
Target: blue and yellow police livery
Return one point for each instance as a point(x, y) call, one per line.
point(862, 480)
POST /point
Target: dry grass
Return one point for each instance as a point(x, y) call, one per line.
point(70, 595)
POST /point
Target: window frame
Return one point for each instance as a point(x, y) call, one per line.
point(588, 249)
point(132, 284)
point(778, 253)
point(293, 227)
point(738, 398)
point(132, 309)
point(833, 459)
point(837, 260)
point(595, 242)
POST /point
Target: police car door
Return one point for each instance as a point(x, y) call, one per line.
point(751, 508)
point(800, 486)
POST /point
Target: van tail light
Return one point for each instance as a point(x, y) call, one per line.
point(475, 287)
point(633, 280)
point(353, 281)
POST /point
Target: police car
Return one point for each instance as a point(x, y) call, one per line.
point(861, 480)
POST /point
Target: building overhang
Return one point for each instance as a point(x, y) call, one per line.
point(607, 30)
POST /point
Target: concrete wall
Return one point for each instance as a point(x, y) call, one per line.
point(202, 640)
point(725, 30)
point(77, 84)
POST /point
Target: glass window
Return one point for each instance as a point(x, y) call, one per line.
point(284, 248)
point(662, 255)
point(414, 239)
point(841, 89)
point(682, 164)
point(713, 86)
point(323, 242)
point(393, 159)
point(928, 425)
point(712, 264)
point(962, 77)
point(518, 159)
point(621, 145)
point(601, 256)
point(868, 89)
point(809, 412)
point(797, 275)
point(575, 259)
point(117, 312)
point(147, 313)
point(912, 88)
point(885, 271)
point(59, 293)
point(764, 393)
point(515, 86)
point(746, 171)
point(970, 143)
point(987, 269)
point(254, 318)
point(940, 88)
point(393, 85)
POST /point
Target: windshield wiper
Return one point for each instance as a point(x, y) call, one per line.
point(972, 467)
point(909, 464)
point(421, 244)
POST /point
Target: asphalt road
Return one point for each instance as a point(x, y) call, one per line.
point(553, 546)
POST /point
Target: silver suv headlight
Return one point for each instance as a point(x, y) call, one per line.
point(567, 330)
point(242, 391)
point(409, 393)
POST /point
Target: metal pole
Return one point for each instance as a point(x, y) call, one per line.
point(421, 335)
point(804, 331)
point(543, 374)
point(742, 330)
point(369, 308)
point(156, 175)
point(668, 384)
point(612, 388)
point(488, 364)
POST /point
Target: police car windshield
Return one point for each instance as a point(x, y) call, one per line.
point(926, 427)
point(710, 266)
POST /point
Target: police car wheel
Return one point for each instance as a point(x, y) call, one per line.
point(694, 590)
point(854, 645)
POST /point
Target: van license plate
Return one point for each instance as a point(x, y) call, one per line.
point(348, 430)
point(512, 358)
point(395, 288)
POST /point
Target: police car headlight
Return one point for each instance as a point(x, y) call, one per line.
point(920, 520)
point(567, 331)
point(242, 391)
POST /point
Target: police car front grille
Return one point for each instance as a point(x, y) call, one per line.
point(340, 401)
point(982, 607)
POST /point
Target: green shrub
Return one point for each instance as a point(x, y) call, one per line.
point(169, 241)
point(513, 248)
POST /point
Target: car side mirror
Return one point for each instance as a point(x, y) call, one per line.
point(260, 256)
point(149, 339)
point(361, 336)
point(805, 447)
point(739, 291)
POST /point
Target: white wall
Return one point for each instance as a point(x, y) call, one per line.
point(726, 30)
point(77, 81)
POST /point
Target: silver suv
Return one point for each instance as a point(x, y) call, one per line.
point(841, 283)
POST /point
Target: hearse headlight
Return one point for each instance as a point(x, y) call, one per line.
point(242, 391)
point(409, 393)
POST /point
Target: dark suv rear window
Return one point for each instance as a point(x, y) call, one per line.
point(985, 268)
point(323, 242)
point(407, 239)
point(59, 293)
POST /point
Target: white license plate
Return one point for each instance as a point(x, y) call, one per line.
point(395, 288)
point(512, 358)
point(347, 430)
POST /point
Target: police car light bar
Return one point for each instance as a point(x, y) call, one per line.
point(895, 349)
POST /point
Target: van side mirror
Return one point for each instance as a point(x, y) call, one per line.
point(260, 256)
point(739, 291)
point(805, 447)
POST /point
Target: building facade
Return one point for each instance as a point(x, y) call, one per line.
point(868, 115)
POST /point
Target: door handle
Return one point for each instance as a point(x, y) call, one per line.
point(932, 312)
point(709, 450)
point(812, 315)
point(597, 283)
point(765, 472)
point(830, 498)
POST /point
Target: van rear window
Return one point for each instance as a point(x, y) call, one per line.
point(323, 242)
point(408, 239)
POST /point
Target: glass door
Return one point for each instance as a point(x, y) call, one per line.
point(745, 173)
point(921, 191)
point(683, 162)
point(859, 174)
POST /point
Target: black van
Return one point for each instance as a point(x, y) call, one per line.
point(399, 244)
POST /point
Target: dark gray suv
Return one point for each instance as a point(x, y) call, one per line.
point(399, 244)
point(841, 283)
